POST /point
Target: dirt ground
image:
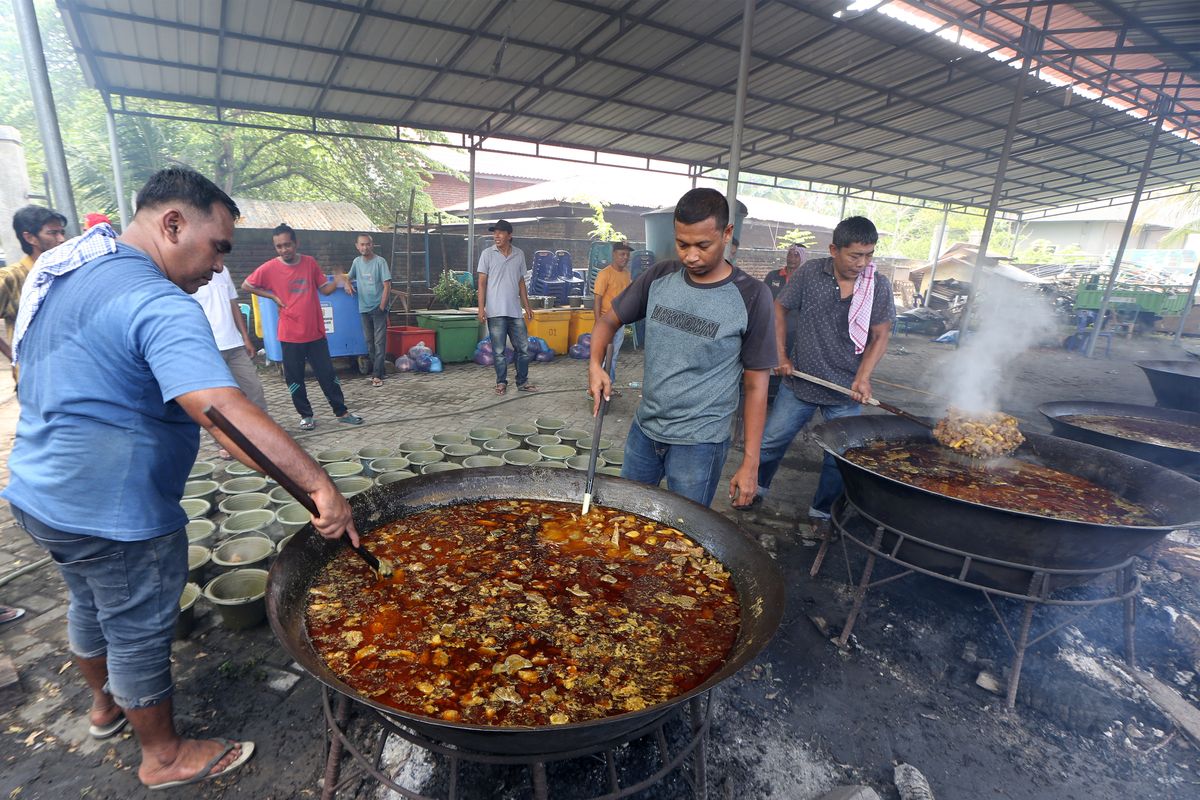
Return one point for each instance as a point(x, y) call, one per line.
point(804, 717)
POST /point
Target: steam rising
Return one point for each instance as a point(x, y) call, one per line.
point(1009, 318)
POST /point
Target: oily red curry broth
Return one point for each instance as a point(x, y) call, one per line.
point(1008, 483)
point(519, 613)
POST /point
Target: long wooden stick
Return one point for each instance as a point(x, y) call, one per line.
point(837, 387)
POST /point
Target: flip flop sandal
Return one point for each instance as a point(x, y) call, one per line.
point(10, 614)
point(350, 419)
point(111, 729)
point(527, 387)
point(307, 423)
point(206, 772)
point(501, 388)
point(376, 382)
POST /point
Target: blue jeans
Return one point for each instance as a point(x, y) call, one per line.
point(692, 470)
point(513, 329)
point(124, 599)
point(374, 325)
point(617, 340)
point(788, 416)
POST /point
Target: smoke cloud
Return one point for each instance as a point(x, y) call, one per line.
point(1009, 318)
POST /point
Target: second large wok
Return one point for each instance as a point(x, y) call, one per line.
point(757, 580)
point(1005, 535)
point(1176, 458)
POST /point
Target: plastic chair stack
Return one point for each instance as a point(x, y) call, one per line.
point(545, 280)
point(639, 262)
point(566, 272)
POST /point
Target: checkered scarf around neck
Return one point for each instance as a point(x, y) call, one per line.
point(100, 240)
point(860, 308)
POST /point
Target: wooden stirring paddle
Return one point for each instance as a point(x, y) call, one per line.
point(382, 566)
point(595, 453)
point(871, 402)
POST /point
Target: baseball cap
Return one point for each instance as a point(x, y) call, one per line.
point(622, 246)
point(502, 225)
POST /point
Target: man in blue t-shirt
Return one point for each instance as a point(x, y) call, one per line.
point(374, 291)
point(118, 365)
point(709, 328)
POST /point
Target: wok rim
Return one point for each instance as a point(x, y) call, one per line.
point(1055, 410)
point(1161, 365)
point(1030, 437)
point(742, 652)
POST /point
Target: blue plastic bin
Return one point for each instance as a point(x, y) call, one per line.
point(343, 326)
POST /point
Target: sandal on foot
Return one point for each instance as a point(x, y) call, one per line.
point(350, 419)
point(527, 387)
point(206, 772)
point(110, 730)
point(376, 382)
point(501, 388)
point(10, 614)
point(307, 423)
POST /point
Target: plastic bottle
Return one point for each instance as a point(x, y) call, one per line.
point(635, 384)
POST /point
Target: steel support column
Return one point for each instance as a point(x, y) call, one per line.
point(1187, 305)
point(114, 150)
point(937, 253)
point(43, 108)
point(1162, 106)
point(471, 211)
point(739, 113)
point(1030, 41)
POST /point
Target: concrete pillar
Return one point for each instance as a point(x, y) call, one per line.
point(14, 188)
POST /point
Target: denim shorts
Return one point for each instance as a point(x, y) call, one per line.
point(691, 470)
point(124, 600)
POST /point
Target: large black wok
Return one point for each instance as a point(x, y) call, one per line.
point(1176, 458)
point(1176, 384)
point(754, 574)
point(1011, 536)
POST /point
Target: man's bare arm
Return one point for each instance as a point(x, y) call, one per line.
point(335, 518)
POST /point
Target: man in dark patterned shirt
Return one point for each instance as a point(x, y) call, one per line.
point(821, 294)
point(38, 230)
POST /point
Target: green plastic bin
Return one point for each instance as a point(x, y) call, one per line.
point(457, 335)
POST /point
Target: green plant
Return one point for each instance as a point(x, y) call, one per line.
point(797, 236)
point(602, 230)
point(453, 293)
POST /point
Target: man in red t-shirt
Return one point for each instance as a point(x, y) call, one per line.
point(292, 281)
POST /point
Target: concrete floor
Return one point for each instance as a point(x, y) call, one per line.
point(805, 717)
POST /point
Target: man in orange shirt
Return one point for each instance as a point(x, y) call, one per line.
point(610, 282)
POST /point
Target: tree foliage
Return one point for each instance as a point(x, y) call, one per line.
point(378, 176)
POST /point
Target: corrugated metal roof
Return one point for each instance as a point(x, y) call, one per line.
point(304, 216)
point(866, 101)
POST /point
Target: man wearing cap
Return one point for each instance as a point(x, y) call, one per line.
point(610, 282)
point(504, 304)
point(92, 220)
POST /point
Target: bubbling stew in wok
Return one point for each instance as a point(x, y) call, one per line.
point(1010, 483)
point(524, 613)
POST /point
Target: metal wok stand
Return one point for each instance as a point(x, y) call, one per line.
point(1126, 583)
point(337, 720)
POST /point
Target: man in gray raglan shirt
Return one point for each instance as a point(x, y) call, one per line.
point(709, 326)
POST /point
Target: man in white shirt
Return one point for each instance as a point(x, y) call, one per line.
point(219, 299)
